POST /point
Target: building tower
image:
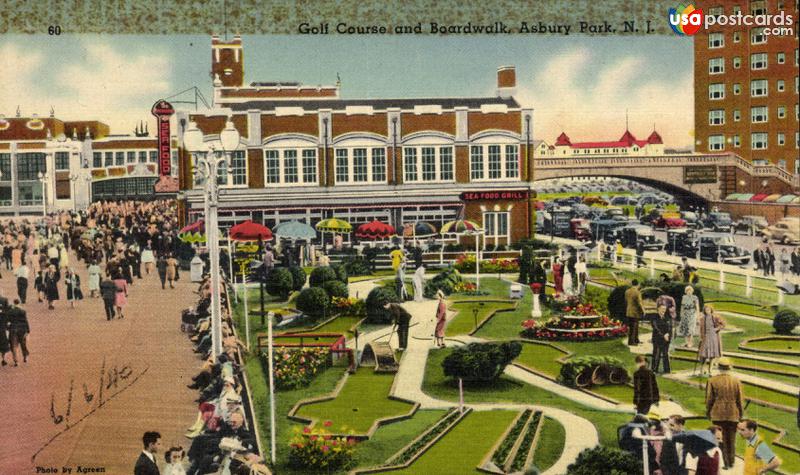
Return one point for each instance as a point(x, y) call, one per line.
point(227, 61)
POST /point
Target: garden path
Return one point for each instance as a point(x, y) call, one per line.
point(779, 386)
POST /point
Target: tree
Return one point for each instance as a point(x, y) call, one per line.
point(280, 283)
point(605, 460)
point(314, 302)
point(377, 298)
point(298, 277)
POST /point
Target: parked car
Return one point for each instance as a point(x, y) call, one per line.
point(682, 242)
point(580, 229)
point(786, 232)
point(751, 225)
point(631, 235)
point(721, 247)
point(666, 221)
point(718, 222)
point(594, 200)
point(607, 230)
point(691, 218)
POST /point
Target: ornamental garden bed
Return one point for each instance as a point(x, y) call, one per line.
point(774, 344)
point(513, 452)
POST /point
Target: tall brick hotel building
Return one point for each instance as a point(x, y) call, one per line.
point(306, 154)
point(746, 86)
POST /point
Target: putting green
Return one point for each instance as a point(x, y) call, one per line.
point(542, 358)
point(551, 444)
point(362, 401)
point(464, 321)
point(790, 346)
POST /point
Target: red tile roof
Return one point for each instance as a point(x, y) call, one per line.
point(627, 140)
point(562, 139)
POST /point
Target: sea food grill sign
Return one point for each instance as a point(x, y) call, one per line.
point(505, 195)
point(163, 110)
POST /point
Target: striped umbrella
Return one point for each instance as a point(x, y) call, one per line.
point(420, 229)
point(375, 230)
point(461, 226)
point(334, 225)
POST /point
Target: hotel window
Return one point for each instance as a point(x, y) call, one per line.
point(289, 166)
point(142, 157)
point(758, 61)
point(360, 165)
point(757, 36)
point(476, 162)
point(736, 37)
point(716, 91)
point(759, 114)
point(496, 225)
point(238, 170)
point(495, 163)
point(62, 160)
point(758, 7)
point(737, 141)
point(97, 159)
point(716, 66)
point(119, 158)
point(153, 156)
point(715, 11)
point(781, 57)
point(131, 157)
point(5, 166)
point(781, 85)
point(309, 166)
point(737, 89)
point(436, 163)
point(368, 165)
point(716, 117)
point(782, 163)
point(716, 40)
point(737, 62)
point(272, 164)
point(716, 143)
point(758, 141)
point(781, 112)
point(781, 139)
point(29, 165)
point(736, 9)
point(109, 159)
point(737, 115)
point(758, 88)
point(512, 161)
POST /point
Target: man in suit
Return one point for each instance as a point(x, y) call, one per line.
point(146, 463)
point(634, 310)
point(725, 407)
point(645, 387)
point(108, 290)
point(662, 331)
point(795, 259)
point(18, 330)
point(401, 318)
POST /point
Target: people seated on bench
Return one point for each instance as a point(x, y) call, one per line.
point(205, 453)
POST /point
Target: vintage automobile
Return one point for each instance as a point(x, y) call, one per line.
point(594, 200)
point(669, 221)
point(607, 230)
point(615, 213)
point(718, 222)
point(581, 229)
point(691, 218)
point(682, 242)
point(632, 235)
point(721, 247)
point(786, 232)
point(751, 225)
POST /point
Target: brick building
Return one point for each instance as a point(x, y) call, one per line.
point(306, 154)
point(746, 86)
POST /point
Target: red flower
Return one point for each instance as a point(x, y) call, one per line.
point(306, 429)
point(327, 423)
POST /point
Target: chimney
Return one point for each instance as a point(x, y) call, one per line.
point(506, 81)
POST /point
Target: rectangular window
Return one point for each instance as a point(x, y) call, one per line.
point(716, 40)
point(716, 91)
point(512, 161)
point(737, 89)
point(737, 115)
point(737, 62)
point(238, 168)
point(309, 166)
point(781, 57)
point(5, 167)
point(29, 165)
point(758, 7)
point(716, 117)
point(290, 166)
point(757, 36)
point(758, 88)
point(62, 160)
point(781, 112)
point(736, 37)
point(379, 165)
point(342, 166)
point(759, 114)
point(119, 158)
point(758, 141)
point(494, 162)
point(781, 85)
point(428, 163)
point(446, 163)
point(410, 163)
point(131, 157)
point(109, 159)
point(781, 139)
point(496, 225)
point(716, 143)
point(97, 159)
point(476, 162)
point(153, 156)
point(142, 156)
point(737, 141)
point(360, 165)
point(272, 163)
point(716, 65)
point(715, 11)
point(758, 61)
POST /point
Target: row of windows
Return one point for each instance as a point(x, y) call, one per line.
point(757, 7)
point(493, 162)
point(758, 114)
point(758, 61)
point(757, 37)
point(758, 141)
point(758, 88)
point(119, 158)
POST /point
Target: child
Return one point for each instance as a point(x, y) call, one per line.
point(175, 457)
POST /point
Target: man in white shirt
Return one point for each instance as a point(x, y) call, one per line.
point(22, 282)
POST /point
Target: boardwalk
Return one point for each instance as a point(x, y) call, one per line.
point(145, 362)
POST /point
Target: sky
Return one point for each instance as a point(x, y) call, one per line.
point(577, 84)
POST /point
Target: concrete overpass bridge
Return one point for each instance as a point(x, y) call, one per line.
point(692, 178)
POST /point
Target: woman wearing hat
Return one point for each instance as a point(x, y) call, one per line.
point(710, 347)
point(441, 319)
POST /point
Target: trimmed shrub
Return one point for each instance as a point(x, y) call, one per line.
point(785, 321)
point(314, 302)
point(376, 299)
point(525, 265)
point(341, 272)
point(616, 303)
point(321, 275)
point(336, 288)
point(445, 281)
point(298, 277)
point(480, 362)
point(605, 460)
point(279, 283)
point(357, 265)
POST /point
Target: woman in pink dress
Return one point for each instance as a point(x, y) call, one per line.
point(441, 319)
point(558, 276)
point(121, 299)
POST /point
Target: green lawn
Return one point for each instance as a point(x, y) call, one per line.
point(776, 344)
point(361, 402)
point(542, 358)
point(550, 445)
point(464, 320)
point(618, 392)
point(388, 439)
point(463, 448)
point(745, 308)
point(342, 324)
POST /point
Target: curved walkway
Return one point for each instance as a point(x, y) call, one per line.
point(146, 363)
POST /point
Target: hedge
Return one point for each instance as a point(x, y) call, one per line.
point(314, 301)
point(376, 299)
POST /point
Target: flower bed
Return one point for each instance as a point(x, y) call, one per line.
point(501, 454)
point(413, 449)
point(574, 328)
point(523, 452)
point(466, 263)
point(296, 367)
point(317, 449)
point(349, 306)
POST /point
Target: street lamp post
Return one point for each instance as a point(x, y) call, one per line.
point(211, 160)
point(74, 179)
point(43, 179)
